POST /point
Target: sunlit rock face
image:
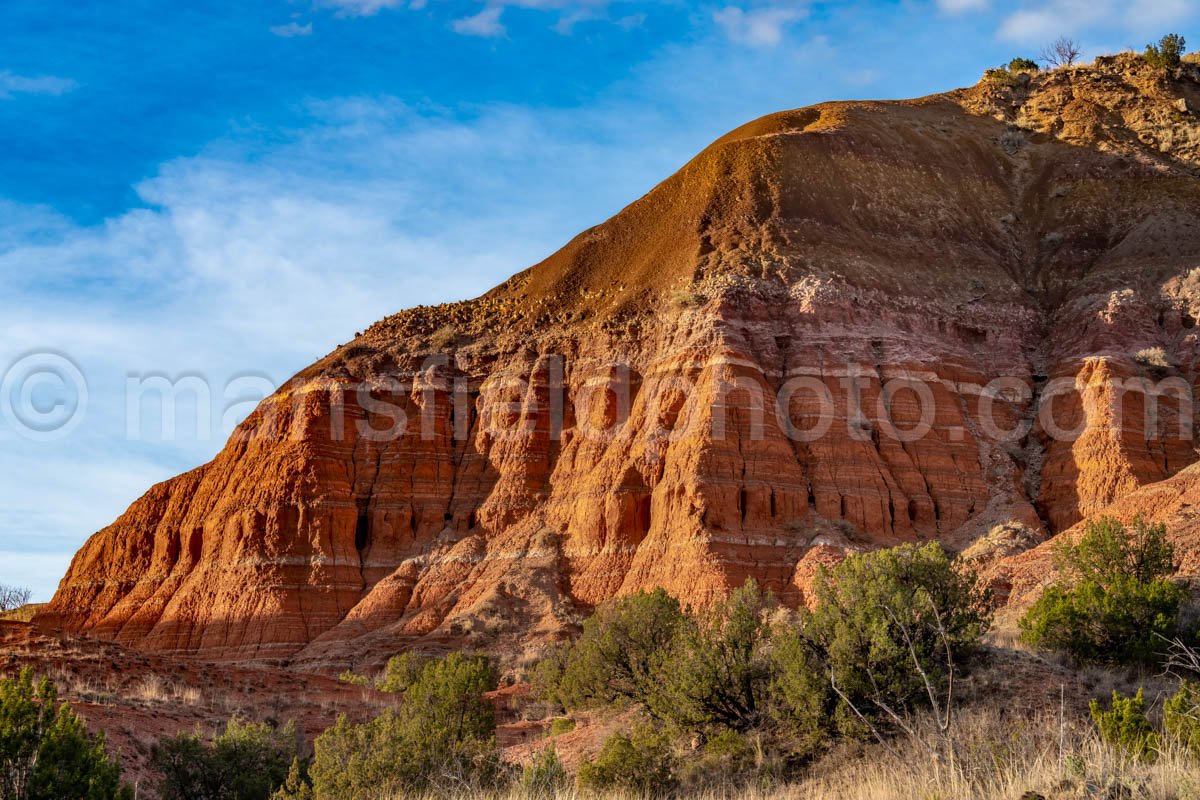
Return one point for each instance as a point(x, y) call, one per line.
point(837, 328)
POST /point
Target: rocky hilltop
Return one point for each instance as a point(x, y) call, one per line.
point(843, 326)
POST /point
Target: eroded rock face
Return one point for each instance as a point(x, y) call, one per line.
point(819, 335)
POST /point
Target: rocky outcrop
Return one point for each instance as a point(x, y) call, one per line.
point(840, 327)
point(1020, 577)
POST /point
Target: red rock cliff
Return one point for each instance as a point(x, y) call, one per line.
point(645, 407)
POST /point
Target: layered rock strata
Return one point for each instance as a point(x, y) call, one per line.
point(840, 327)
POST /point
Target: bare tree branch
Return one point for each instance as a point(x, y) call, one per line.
point(1062, 52)
point(1181, 660)
point(874, 731)
point(943, 746)
point(937, 615)
point(912, 651)
point(13, 597)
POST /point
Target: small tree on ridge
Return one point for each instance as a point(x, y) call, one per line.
point(1062, 52)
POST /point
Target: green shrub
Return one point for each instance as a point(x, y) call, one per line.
point(1109, 551)
point(1119, 623)
point(184, 766)
point(247, 761)
point(1023, 65)
point(618, 655)
point(799, 692)
point(353, 762)
point(718, 672)
point(401, 671)
point(446, 700)
point(1113, 601)
point(639, 762)
point(296, 786)
point(561, 725)
point(1168, 53)
point(1000, 77)
point(1125, 727)
point(443, 736)
point(880, 614)
point(726, 758)
point(686, 298)
point(46, 751)
point(353, 678)
point(546, 679)
point(1181, 718)
point(545, 776)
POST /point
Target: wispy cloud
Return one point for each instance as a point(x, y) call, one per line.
point(261, 254)
point(1037, 22)
point(292, 30)
point(12, 85)
point(961, 6)
point(362, 8)
point(758, 27)
point(486, 23)
point(258, 257)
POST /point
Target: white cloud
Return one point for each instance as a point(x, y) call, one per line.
point(360, 8)
point(11, 85)
point(569, 19)
point(961, 6)
point(863, 77)
point(1031, 26)
point(1142, 15)
point(759, 27)
point(21, 568)
point(260, 259)
point(1040, 22)
point(486, 23)
point(292, 30)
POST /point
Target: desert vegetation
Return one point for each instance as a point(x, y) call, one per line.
point(441, 738)
point(1154, 357)
point(890, 678)
point(857, 696)
point(47, 752)
point(865, 693)
point(1114, 600)
point(1167, 53)
point(1062, 52)
point(13, 598)
point(687, 298)
point(244, 762)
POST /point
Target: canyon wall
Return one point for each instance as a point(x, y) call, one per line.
point(837, 328)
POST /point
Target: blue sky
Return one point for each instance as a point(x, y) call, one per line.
point(229, 191)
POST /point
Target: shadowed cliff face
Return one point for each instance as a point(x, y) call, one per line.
point(840, 327)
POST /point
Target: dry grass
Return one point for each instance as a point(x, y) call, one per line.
point(444, 337)
point(687, 298)
point(1153, 357)
point(23, 614)
point(155, 689)
point(151, 689)
point(992, 755)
